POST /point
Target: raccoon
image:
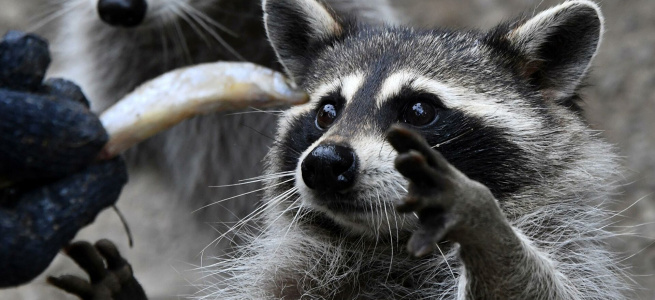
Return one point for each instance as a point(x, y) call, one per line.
point(477, 136)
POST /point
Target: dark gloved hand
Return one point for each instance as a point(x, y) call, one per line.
point(50, 183)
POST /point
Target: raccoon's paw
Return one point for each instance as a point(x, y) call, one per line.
point(442, 197)
point(110, 275)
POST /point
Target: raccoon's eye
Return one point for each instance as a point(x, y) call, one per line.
point(419, 113)
point(326, 116)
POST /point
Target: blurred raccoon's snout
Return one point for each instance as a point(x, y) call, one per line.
point(330, 167)
point(125, 13)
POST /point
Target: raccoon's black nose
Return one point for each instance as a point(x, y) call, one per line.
point(126, 13)
point(329, 168)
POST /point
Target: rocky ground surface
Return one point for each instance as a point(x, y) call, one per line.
point(620, 100)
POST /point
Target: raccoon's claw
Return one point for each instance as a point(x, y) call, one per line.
point(432, 182)
point(111, 277)
point(405, 140)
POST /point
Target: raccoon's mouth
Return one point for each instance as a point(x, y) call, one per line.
point(343, 203)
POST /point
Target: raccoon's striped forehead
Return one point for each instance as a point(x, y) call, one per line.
point(369, 68)
point(378, 52)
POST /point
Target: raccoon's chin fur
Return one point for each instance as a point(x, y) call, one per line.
point(366, 212)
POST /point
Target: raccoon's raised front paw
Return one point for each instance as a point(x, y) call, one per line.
point(111, 276)
point(440, 195)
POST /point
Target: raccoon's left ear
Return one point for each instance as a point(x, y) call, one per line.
point(556, 46)
point(298, 29)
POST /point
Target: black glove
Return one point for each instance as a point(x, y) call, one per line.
point(50, 183)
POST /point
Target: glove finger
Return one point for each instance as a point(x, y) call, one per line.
point(42, 138)
point(46, 218)
point(65, 90)
point(24, 59)
point(74, 285)
point(89, 259)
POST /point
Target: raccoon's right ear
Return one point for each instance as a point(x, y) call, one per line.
point(556, 46)
point(297, 29)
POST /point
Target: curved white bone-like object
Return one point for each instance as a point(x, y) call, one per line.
point(187, 92)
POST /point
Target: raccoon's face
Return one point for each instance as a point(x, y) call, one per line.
point(487, 101)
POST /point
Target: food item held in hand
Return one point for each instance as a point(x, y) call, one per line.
point(181, 94)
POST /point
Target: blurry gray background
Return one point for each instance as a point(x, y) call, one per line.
point(620, 100)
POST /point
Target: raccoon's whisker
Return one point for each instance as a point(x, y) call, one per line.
point(446, 261)
point(275, 113)
point(294, 219)
point(403, 216)
point(289, 148)
point(627, 208)
point(182, 13)
point(164, 42)
point(266, 110)
point(273, 203)
point(286, 195)
point(453, 138)
point(534, 11)
point(260, 133)
point(196, 15)
point(390, 235)
point(402, 187)
point(641, 250)
point(236, 196)
point(632, 226)
point(395, 219)
point(378, 217)
point(182, 40)
point(53, 14)
point(371, 215)
point(242, 182)
point(207, 19)
point(267, 176)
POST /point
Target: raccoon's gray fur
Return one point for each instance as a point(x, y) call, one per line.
point(507, 118)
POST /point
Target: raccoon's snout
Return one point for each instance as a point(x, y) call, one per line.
point(330, 168)
point(126, 13)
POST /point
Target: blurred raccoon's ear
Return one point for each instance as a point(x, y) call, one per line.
point(556, 46)
point(298, 29)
